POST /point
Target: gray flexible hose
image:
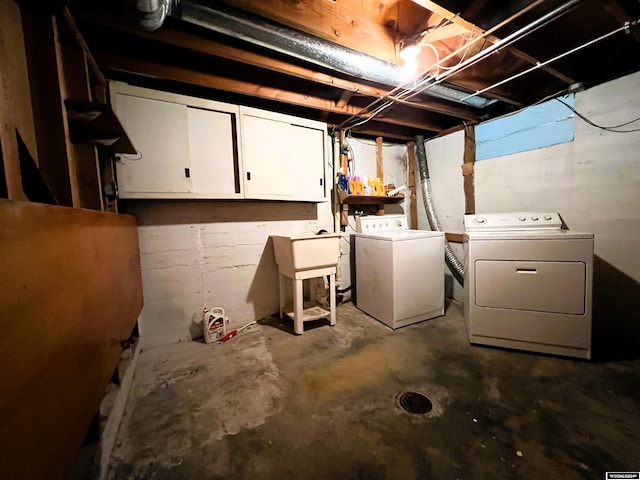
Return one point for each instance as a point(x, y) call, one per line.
point(456, 266)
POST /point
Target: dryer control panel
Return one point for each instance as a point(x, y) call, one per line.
point(520, 221)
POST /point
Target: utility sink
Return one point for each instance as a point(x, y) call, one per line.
point(305, 252)
point(301, 257)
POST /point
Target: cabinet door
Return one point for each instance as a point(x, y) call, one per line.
point(282, 160)
point(306, 148)
point(213, 153)
point(267, 159)
point(159, 130)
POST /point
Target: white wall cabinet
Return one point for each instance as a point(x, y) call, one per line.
point(195, 148)
point(283, 156)
point(187, 146)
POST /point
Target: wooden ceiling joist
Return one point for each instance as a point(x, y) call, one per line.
point(203, 79)
point(329, 20)
point(171, 36)
point(470, 27)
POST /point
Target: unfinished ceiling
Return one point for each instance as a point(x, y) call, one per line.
point(339, 60)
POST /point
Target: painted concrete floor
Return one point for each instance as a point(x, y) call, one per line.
point(271, 405)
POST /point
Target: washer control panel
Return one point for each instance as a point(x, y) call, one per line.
point(512, 221)
point(380, 223)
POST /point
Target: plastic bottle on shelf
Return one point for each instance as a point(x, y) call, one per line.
point(366, 186)
point(379, 187)
point(357, 188)
point(344, 183)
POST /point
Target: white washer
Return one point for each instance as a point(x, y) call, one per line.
point(399, 272)
point(528, 283)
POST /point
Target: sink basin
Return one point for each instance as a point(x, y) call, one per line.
point(305, 252)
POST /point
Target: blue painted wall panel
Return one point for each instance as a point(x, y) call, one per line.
point(549, 123)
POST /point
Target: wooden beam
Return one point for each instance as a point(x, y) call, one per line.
point(344, 159)
point(376, 131)
point(469, 158)
point(345, 98)
point(457, 20)
point(379, 168)
point(444, 107)
point(331, 21)
point(70, 291)
point(442, 33)
point(621, 14)
point(379, 159)
point(16, 114)
point(411, 184)
point(71, 23)
point(448, 14)
point(454, 237)
point(184, 75)
point(171, 36)
point(64, 86)
point(48, 108)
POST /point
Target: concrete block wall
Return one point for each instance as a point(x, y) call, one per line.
point(593, 182)
point(197, 254)
point(444, 157)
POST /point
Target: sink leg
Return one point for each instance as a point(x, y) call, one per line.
point(281, 282)
point(332, 298)
point(298, 291)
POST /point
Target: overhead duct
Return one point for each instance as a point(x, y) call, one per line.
point(454, 264)
point(236, 23)
point(149, 14)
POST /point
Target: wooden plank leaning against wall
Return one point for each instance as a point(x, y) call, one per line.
point(70, 292)
point(70, 281)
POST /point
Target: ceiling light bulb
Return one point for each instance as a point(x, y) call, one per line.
point(410, 50)
point(409, 70)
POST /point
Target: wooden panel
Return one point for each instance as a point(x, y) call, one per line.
point(88, 176)
point(47, 103)
point(15, 99)
point(70, 291)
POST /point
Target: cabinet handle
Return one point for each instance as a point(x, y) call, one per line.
point(526, 270)
point(321, 182)
point(187, 173)
point(248, 175)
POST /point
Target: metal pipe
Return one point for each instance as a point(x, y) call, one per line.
point(251, 28)
point(149, 14)
point(624, 28)
point(454, 264)
point(260, 31)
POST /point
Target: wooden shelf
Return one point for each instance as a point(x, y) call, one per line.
point(95, 123)
point(367, 199)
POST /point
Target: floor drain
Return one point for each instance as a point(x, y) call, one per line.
point(415, 402)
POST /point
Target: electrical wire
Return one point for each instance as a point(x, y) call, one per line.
point(608, 129)
point(130, 157)
point(427, 81)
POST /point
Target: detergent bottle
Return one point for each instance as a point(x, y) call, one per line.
point(214, 324)
point(344, 183)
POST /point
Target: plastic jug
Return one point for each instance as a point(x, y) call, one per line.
point(214, 324)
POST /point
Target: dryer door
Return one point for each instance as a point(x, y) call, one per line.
point(554, 287)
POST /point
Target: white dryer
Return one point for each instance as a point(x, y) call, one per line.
point(399, 272)
point(528, 283)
